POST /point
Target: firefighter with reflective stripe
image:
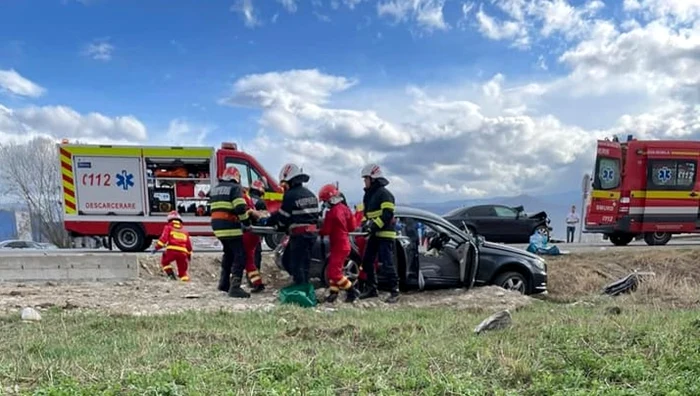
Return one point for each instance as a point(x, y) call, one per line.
point(251, 243)
point(337, 224)
point(229, 214)
point(257, 191)
point(379, 206)
point(298, 216)
point(178, 247)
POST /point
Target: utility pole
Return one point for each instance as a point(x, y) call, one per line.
point(585, 190)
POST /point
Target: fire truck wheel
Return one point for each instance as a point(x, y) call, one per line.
point(128, 237)
point(657, 238)
point(621, 239)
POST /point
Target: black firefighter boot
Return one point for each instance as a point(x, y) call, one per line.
point(393, 297)
point(370, 289)
point(351, 295)
point(331, 297)
point(235, 291)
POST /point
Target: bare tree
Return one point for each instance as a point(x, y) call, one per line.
point(31, 175)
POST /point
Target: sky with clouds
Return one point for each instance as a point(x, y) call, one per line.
point(455, 99)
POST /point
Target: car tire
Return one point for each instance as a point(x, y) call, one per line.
point(514, 281)
point(272, 240)
point(351, 270)
point(621, 239)
point(657, 238)
point(541, 227)
point(128, 237)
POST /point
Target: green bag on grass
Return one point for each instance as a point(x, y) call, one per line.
point(303, 295)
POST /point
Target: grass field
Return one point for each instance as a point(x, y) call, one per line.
point(551, 349)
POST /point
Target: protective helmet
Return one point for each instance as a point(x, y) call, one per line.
point(231, 173)
point(174, 216)
point(327, 192)
point(292, 171)
point(258, 186)
point(373, 171)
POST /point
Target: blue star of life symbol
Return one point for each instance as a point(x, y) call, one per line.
point(664, 174)
point(607, 173)
point(125, 180)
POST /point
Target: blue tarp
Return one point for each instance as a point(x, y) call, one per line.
point(8, 225)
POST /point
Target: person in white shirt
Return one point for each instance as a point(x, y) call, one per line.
point(571, 221)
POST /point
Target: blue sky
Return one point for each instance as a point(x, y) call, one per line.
point(458, 85)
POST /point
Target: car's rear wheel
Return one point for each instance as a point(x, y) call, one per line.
point(272, 240)
point(514, 281)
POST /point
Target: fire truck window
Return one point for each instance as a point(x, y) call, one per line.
point(243, 168)
point(672, 174)
point(607, 175)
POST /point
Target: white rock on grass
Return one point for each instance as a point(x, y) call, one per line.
point(30, 314)
point(497, 321)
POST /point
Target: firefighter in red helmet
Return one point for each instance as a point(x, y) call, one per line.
point(337, 224)
point(251, 241)
point(178, 247)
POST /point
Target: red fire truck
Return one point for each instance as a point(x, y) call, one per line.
point(646, 189)
point(125, 192)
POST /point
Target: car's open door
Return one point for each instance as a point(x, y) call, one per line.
point(468, 265)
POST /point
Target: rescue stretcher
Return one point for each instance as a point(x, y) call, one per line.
point(264, 230)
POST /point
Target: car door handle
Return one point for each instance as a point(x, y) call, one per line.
point(693, 194)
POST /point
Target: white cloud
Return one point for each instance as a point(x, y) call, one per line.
point(61, 122)
point(14, 83)
point(99, 49)
point(289, 5)
point(184, 133)
point(247, 11)
point(428, 14)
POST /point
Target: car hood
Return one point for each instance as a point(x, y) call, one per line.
point(509, 250)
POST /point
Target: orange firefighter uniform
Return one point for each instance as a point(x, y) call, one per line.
point(178, 247)
point(251, 242)
point(337, 224)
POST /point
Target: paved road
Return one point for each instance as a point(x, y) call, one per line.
point(572, 248)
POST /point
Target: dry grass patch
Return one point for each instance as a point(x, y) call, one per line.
point(677, 271)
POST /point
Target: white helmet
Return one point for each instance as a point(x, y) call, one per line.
point(373, 171)
point(291, 171)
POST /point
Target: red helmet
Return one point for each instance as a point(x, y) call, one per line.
point(327, 192)
point(174, 216)
point(258, 186)
point(231, 173)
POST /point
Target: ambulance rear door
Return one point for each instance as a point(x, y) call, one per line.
point(607, 181)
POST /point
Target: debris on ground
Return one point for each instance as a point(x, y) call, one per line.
point(499, 320)
point(30, 314)
point(625, 285)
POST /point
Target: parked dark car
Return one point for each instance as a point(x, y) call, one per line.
point(461, 260)
point(499, 223)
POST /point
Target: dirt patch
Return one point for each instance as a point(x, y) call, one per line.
point(677, 271)
point(153, 293)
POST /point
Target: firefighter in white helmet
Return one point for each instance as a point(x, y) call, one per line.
point(298, 216)
point(378, 219)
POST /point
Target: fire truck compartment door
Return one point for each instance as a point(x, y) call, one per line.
point(109, 185)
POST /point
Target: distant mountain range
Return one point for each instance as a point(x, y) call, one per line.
point(556, 205)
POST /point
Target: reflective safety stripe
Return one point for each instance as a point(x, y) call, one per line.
point(178, 235)
point(222, 205)
point(334, 289)
point(177, 248)
point(244, 216)
point(344, 283)
point(224, 216)
point(228, 233)
point(238, 201)
point(379, 222)
point(387, 205)
point(283, 213)
point(305, 211)
point(386, 234)
point(160, 243)
point(167, 267)
point(185, 278)
point(373, 214)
